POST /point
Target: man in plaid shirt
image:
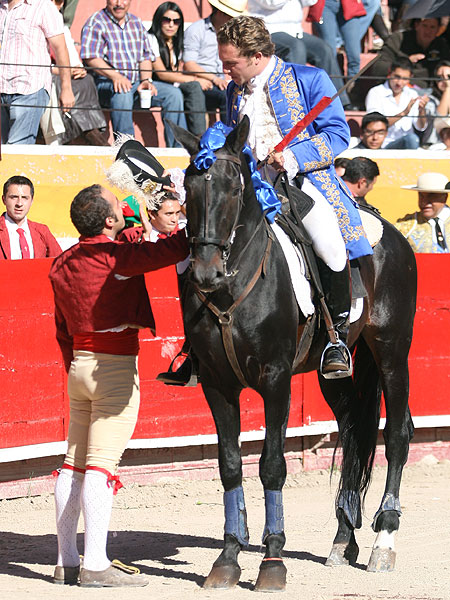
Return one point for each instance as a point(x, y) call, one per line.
point(116, 45)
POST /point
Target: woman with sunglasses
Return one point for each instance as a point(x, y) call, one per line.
point(166, 40)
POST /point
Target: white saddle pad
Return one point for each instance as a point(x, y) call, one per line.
point(302, 289)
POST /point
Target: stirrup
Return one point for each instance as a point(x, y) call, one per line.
point(177, 377)
point(340, 374)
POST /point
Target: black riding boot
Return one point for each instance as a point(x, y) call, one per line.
point(336, 359)
point(187, 372)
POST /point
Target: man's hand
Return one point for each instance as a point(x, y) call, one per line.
point(423, 101)
point(78, 72)
point(121, 83)
point(147, 228)
point(414, 58)
point(276, 160)
point(66, 99)
point(205, 84)
point(147, 85)
point(222, 84)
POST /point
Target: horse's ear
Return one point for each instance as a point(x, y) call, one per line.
point(237, 139)
point(187, 139)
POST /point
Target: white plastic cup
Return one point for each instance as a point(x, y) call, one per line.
point(145, 98)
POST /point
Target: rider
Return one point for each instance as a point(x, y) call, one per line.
point(275, 95)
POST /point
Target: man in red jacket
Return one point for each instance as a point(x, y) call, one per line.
point(19, 237)
point(100, 304)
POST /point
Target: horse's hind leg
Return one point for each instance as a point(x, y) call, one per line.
point(272, 470)
point(340, 395)
point(224, 405)
point(397, 435)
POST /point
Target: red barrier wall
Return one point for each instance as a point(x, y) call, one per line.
point(33, 400)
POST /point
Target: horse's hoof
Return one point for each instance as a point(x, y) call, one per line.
point(223, 577)
point(382, 560)
point(272, 576)
point(342, 555)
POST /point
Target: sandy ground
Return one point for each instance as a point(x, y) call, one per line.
point(173, 530)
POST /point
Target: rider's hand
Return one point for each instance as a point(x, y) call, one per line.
point(276, 160)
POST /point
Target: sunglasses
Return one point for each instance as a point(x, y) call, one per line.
point(167, 20)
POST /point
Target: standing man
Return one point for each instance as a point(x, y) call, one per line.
point(100, 304)
point(116, 45)
point(428, 229)
point(275, 95)
point(19, 237)
point(27, 29)
point(201, 54)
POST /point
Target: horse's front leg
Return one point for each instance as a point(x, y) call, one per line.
point(224, 405)
point(272, 470)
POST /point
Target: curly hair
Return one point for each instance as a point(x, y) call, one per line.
point(248, 34)
point(89, 209)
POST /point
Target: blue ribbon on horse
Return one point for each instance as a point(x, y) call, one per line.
point(213, 139)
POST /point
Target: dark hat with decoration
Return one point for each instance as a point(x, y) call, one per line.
point(138, 172)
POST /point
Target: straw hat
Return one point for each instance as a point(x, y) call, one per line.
point(434, 183)
point(442, 123)
point(232, 8)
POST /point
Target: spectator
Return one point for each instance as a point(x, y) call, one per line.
point(350, 19)
point(201, 55)
point(340, 164)
point(27, 31)
point(439, 104)
point(360, 176)
point(428, 230)
point(442, 127)
point(374, 128)
point(283, 19)
point(167, 43)
point(116, 45)
point(86, 121)
point(20, 237)
point(100, 304)
point(403, 107)
point(419, 44)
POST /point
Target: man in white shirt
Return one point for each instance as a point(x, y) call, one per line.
point(19, 237)
point(402, 105)
point(428, 229)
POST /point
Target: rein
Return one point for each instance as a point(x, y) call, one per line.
point(225, 318)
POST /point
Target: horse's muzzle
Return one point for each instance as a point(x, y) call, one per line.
point(208, 273)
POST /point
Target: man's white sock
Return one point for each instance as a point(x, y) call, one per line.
point(68, 507)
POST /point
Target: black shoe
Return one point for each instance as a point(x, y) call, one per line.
point(336, 361)
point(185, 375)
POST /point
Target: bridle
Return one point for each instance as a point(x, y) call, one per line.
point(223, 244)
point(225, 318)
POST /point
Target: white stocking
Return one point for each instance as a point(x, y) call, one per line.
point(96, 502)
point(67, 501)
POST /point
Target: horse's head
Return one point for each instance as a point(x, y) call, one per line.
point(214, 197)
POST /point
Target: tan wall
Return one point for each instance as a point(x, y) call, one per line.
point(59, 174)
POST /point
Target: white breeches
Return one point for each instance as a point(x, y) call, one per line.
point(322, 225)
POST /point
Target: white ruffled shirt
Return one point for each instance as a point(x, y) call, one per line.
point(264, 134)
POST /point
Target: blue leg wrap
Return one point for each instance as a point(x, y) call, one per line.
point(389, 502)
point(236, 515)
point(350, 503)
point(274, 513)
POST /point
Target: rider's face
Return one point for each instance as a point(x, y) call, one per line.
point(431, 204)
point(240, 68)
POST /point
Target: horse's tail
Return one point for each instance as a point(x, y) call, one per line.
point(359, 428)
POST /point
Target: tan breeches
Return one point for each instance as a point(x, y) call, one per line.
point(104, 404)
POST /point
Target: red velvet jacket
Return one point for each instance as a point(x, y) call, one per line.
point(44, 244)
point(99, 284)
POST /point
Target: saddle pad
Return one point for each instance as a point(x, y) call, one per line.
point(302, 289)
point(372, 226)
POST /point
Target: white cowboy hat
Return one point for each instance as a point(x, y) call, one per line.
point(440, 124)
point(232, 8)
point(430, 182)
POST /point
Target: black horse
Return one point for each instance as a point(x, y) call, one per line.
point(243, 322)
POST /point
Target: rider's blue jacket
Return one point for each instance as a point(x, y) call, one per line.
point(293, 91)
